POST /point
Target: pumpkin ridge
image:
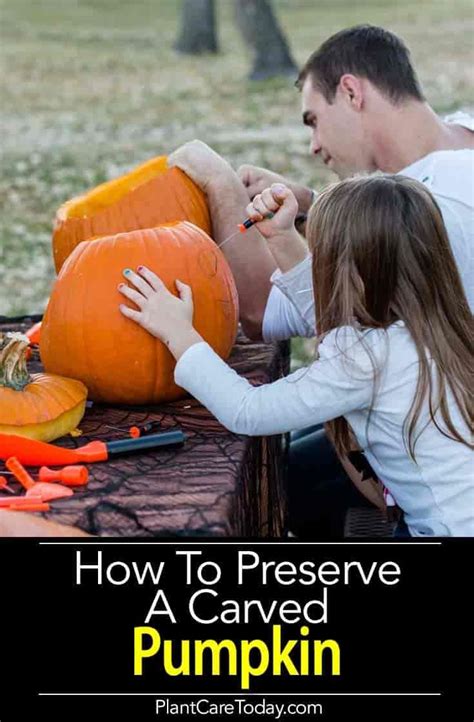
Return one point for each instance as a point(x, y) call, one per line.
point(143, 236)
point(37, 395)
point(71, 393)
point(34, 403)
point(90, 359)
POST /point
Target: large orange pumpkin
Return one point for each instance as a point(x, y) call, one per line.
point(85, 336)
point(148, 196)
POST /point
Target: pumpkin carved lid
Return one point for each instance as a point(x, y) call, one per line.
point(112, 191)
point(150, 195)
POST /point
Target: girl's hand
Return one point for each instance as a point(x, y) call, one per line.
point(160, 312)
point(279, 203)
point(285, 243)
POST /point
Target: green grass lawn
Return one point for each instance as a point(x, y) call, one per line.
point(90, 88)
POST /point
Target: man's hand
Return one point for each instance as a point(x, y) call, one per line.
point(202, 164)
point(162, 314)
point(256, 179)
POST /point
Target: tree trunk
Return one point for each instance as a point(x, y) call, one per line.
point(262, 33)
point(198, 28)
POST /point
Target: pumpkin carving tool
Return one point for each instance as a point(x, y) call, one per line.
point(4, 485)
point(133, 431)
point(38, 453)
point(24, 503)
point(34, 333)
point(6, 502)
point(136, 431)
point(242, 228)
point(40, 491)
point(68, 475)
point(31, 507)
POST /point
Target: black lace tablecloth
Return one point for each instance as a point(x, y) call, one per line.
point(218, 483)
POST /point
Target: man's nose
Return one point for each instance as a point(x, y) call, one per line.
point(315, 145)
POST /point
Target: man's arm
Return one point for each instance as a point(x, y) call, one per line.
point(247, 254)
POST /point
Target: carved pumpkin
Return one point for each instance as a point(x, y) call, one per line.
point(40, 406)
point(84, 335)
point(148, 196)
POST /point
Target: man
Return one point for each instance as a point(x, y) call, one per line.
point(366, 112)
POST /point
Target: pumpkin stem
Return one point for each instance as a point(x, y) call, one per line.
point(13, 371)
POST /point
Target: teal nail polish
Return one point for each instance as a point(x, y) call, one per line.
point(127, 271)
point(269, 215)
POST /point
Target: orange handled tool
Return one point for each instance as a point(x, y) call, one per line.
point(248, 223)
point(6, 502)
point(136, 431)
point(20, 473)
point(38, 453)
point(40, 491)
point(132, 431)
point(34, 333)
point(40, 506)
point(4, 485)
point(69, 475)
point(243, 228)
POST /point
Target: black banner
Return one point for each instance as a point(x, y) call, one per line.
point(281, 630)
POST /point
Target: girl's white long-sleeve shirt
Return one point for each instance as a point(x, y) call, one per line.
point(436, 492)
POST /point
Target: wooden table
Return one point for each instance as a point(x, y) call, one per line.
point(218, 484)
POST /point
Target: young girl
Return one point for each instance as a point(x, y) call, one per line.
point(394, 357)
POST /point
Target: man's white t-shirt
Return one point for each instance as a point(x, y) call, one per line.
point(449, 175)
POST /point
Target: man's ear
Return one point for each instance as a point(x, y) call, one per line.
point(351, 89)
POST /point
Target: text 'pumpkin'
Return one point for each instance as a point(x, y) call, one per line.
point(84, 334)
point(148, 196)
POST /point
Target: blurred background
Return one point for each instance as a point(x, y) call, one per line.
point(91, 88)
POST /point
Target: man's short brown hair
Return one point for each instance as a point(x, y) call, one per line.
point(369, 52)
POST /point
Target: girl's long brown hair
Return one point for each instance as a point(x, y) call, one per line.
point(381, 254)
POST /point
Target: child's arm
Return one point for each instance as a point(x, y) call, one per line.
point(315, 394)
point(293, 280)
point(330, 387)
point(290, 306)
